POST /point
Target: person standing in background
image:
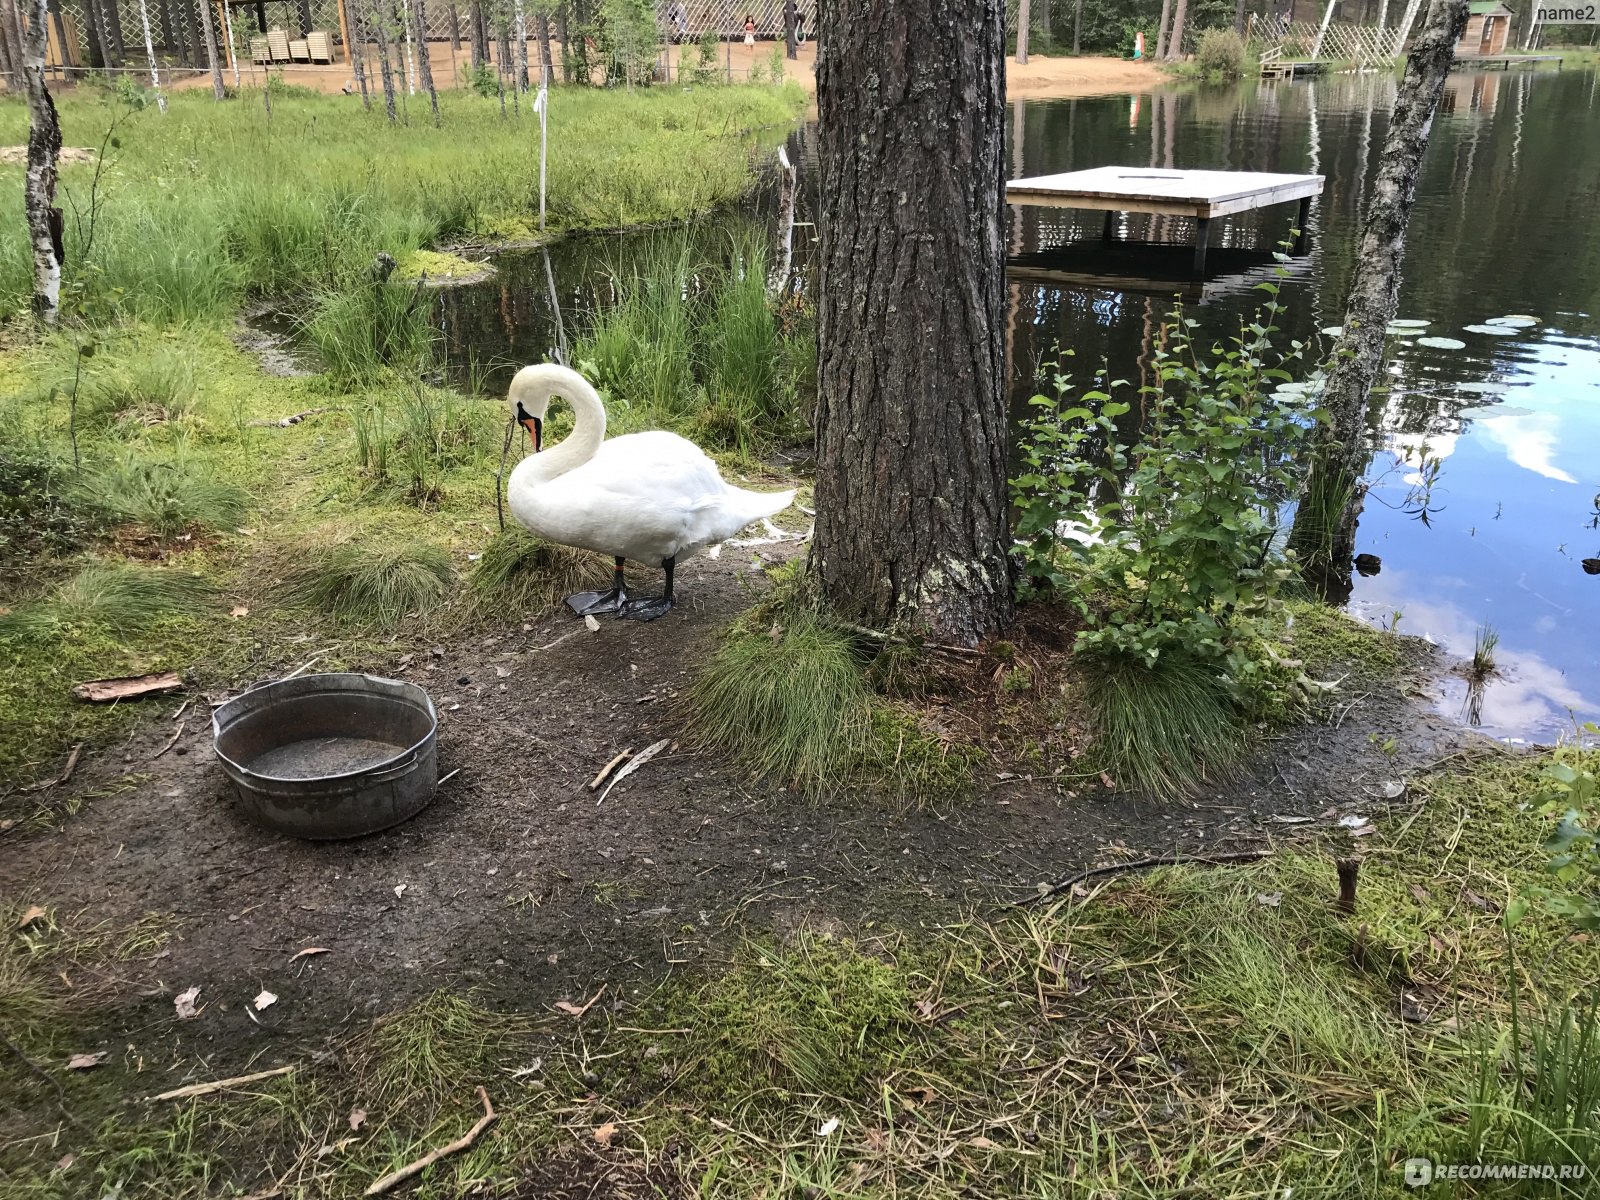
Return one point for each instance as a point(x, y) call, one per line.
point(749, 29)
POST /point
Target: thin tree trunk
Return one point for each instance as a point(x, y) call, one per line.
point(1024, 15)
point(912, 521)
point(12, 57)
point(1325, 524)
point(181, 31)
point(791, 15)
point(1077, 26)
point(210, 35)
point(1322, 30)
point(1161, 30)
point(303, 10)
point(385, 67)
point(99, 49)
point(1238, 16)
point(546, 63)
point(150, 54)
point(1180, 15)
point(164, 19)
point(521, 31)
point(455, 28)
point(424, 69)
point(113, 24)
point(480, 34)
point(357, 49)
point(39, 186)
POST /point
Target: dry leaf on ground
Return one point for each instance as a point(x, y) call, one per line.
point(265, 1000)
point(358, 1118)
point(605, 1133)
point(308, 951)
point(82, 1062)
point(184, 1003)
point(34, 912)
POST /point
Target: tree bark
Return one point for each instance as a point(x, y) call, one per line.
point(1180, 15)
point(385, 67)
point(1077, 26)
point(358, 54)
point(113, 29)
point(11, 46)
point(1238, 16)
point(419, 20)
point(1161, 29)
point(791, 16)
point(546, 63)
point(480, 34)
point(150, 55)
point(520, 32)
point(912, 520)
point(1325, 523)
point(1024, 15)
point(39, 186)
point(210, 34)
point(455, 28)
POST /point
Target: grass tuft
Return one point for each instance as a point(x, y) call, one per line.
point(373, 581)
point(791, 701)
point(1163, 729)
point(166, 497)
point(118, 598)
point(519, 573)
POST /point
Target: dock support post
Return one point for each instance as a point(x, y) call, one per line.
point(1202, 234)
point(1108, 231)
point(1302, 236)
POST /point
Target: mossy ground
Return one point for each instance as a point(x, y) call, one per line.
point(1220, 1032)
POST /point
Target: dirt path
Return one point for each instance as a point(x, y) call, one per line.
point(1041, 77)
point(518, 883)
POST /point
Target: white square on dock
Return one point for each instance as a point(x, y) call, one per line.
point(1156, 190)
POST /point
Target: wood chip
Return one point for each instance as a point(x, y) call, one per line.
point(128, 687)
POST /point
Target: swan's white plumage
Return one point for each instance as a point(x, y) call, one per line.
point(646, 497)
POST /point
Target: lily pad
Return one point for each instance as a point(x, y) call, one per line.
point(1495, 330)
point(1333, 331)
point(1442, 343)
point(1408, 323)
point(1515, 320)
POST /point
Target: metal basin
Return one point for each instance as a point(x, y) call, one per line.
point(329, 756)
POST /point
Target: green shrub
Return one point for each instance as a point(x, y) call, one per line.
point(1221, 54)
point(373, 581)
point(40, 513)
point(1572, 795)
point(483, 80)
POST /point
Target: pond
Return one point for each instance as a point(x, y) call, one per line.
point(1485, 499)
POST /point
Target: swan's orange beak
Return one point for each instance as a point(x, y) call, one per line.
point(533, 425)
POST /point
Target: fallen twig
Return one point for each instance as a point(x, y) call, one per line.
point(643, 757)
point(447, 778)
point(220, 1085)
point(608, 768)
point(182, 725)
point(131, 687)
point(1144, 864)
point(66, 772)
point(394, 1178)
point(572, 1010)
point(305, 665)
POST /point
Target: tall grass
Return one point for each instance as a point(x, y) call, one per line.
point(211, 203)
point(165, 496)
point(117, 598)
point(521, 574)
point(1164, 728)
point(374, 581)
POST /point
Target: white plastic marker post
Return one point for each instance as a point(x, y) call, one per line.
point(541, 105)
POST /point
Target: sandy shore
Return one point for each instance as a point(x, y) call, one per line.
point(1039, 78)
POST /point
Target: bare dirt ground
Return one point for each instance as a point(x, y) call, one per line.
point(1041, 77)
point(516, 882)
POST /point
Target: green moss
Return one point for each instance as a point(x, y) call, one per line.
point(1332, 644)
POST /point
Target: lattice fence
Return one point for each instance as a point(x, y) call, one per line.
point(1365, 45)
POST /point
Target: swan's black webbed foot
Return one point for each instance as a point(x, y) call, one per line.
point(646, 610)
point(588, 604)
point(651, 608)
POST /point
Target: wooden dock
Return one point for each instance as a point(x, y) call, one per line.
point(1201, 195)
point(1502, 62)
point(1283, 68)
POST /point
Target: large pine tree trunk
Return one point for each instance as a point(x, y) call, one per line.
point(1024, 19)
point(1325, 524)
point(39, 185)
point(419, 24)
point(209, 33)
point(1161, 29)
point(912, 521)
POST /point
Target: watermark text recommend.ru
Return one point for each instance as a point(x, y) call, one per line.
point(1422, 1171)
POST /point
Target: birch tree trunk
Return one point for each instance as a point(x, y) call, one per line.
point(150, 54)
point(208, 31)
point(521, 32)
point(912, 511)
point(385, 67)
point(39, 186)
point(1325, 523)
point(424, 68)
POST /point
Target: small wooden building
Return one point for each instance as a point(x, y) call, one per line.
point(1488, 27)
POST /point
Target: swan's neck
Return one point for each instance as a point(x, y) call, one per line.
point(577, 448)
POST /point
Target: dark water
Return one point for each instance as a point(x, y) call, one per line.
point(1485, 481)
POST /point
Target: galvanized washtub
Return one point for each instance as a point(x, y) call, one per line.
point(329, 756)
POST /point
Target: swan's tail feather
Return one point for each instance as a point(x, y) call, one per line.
point(760, 505)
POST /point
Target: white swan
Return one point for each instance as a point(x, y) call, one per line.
point(652, 497)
